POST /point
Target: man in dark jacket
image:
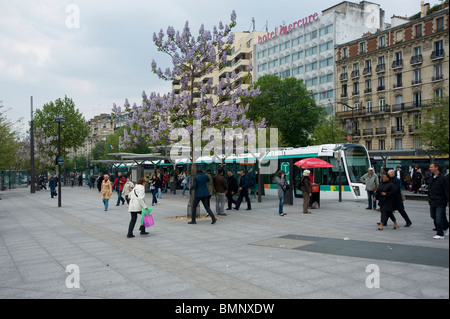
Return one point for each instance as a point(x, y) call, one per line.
point(438, 200)
point(232, 189)
point(220, 186)
point(201, 194)
point(243, 192)
point(398, 200)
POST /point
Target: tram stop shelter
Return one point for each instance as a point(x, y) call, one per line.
point(137, 161)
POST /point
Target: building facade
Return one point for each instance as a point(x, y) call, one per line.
point(239, 57)
point(304, 48)
point(384, 80)
point(101, 126)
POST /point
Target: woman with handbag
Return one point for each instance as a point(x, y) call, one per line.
point(137, 203)
point(280, 179)
point(106, 191)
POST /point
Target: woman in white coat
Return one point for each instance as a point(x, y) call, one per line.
point(137, 196)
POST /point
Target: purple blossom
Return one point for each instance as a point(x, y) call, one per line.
point(191, 57)
point(170, 31)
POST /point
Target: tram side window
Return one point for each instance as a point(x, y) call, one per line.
point(333, 173)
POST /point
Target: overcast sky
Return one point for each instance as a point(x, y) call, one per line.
point(98, 52)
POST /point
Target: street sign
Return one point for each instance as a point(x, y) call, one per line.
point(60, 161)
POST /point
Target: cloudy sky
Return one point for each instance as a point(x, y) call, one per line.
point(98, 52)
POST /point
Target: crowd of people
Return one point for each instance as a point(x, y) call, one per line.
point(387, 191)
point(384, 192)
point(205, 186)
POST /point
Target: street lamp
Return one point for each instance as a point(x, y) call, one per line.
point(352, 108)
point(60, 161)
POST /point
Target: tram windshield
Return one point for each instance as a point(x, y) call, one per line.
point(357, 162)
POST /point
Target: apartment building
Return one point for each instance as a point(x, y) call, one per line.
point(240, 55)
point(304, 48)
point(386, 78)
point(101, 126)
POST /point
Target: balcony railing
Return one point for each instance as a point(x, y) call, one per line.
point(397, 130)
point(398, 85)
point(438, 54)
point(381, 68)
point(413, 129)
point(416, 59)
point(367, 71)
point(380, 131)
point(381, 88)
point(355, 74)
point(397, 64)
point(364, 111)
point(416, 82)
point(438, 77)
point(367, 131)
point(343, 76)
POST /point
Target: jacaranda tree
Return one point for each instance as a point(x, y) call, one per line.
point(200, 101)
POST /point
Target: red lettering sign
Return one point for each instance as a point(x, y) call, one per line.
point(286, 29)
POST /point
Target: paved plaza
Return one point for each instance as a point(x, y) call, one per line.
point(335, 252)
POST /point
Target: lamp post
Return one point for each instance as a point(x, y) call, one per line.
point(352, 108)
point(59, 120)
point(32, 173)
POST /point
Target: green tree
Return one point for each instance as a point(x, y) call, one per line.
point(329, 131)
point(288, 106)
point(73, 132)
point(434, 127)
point(8, 141)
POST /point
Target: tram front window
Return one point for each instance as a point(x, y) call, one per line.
point(357, 162)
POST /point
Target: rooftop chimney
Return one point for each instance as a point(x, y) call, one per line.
point(424, 7)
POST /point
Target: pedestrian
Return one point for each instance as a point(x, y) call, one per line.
point(243, 192)
point(220, 187)
point(201, 195)
point(99, 182)
point(280, 179)
point(166, 181)
point(52, 184)
point(137, 203)
point(173, 182)
point(306, 188)
point(210, 186)
point(398, 198)
point(127, 188)
point(154, 189)
point(370, 179)
point(232, 189)
point(106, 191)
point(186, 183)
point(438, 200)
point(416, 178)
point(159, 185)
point(385, 195)
point(118, 184)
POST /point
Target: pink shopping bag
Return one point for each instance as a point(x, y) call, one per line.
point(148, 220)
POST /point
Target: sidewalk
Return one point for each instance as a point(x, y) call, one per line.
point(255, 254)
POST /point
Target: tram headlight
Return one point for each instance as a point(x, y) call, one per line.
point(356, 190)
